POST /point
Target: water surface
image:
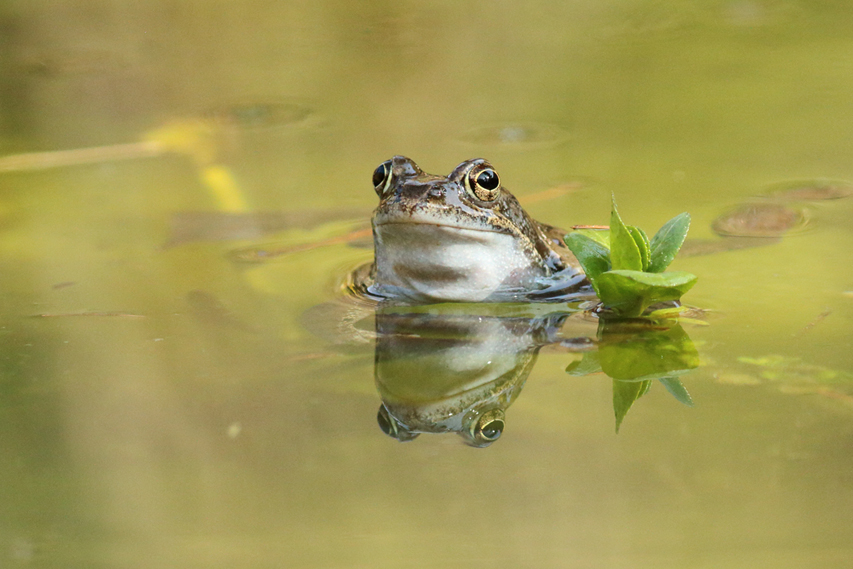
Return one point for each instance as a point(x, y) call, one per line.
point(164, 403)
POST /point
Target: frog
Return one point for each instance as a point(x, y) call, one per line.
point(462, 238)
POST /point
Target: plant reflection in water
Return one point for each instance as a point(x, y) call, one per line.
point(634, 353)
point(439, 372)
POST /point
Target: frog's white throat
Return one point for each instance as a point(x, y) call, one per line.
point(448, 263)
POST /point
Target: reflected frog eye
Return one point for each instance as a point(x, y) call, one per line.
point(484, 184)
point(490, 430)
point(484, 428)
point(382, 177)
point(392, 427)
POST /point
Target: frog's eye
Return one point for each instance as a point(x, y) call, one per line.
point(484, 184)
point(484, 428)
point(392, 427)
point(490, 430)
point(382, 177)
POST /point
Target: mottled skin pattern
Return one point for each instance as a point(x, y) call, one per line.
point(413, 193)
point(420, 211)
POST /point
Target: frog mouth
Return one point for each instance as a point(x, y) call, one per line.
point(436, 224)
point(424, 234)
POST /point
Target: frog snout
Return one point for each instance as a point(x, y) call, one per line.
point(435, 192)
point(432, 192)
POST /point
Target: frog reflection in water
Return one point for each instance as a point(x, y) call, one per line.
point(444, 373)
point(463, 237)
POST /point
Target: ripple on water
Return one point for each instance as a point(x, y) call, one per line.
point(516, 134)
point(776, 214)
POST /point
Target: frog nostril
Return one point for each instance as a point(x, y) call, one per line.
point(435, 192)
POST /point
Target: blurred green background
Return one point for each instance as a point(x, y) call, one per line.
point(162, 405)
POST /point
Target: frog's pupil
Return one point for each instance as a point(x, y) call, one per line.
point(492, 430)
point(379, 174)
point(488, 180)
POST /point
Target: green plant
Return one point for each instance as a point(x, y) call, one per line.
point(626, 269)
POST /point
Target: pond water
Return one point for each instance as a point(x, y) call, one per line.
point(185, 187)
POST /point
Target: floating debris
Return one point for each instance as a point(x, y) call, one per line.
point(199, 137)
point(759, 220)
point(260, 254)
point(817, 320)
point(259, 115)
point(597, 227)
point(210, 310)
point(814, 190)
point(79, 156)
point(792, 370)
point(790, 375)
point(193, 226)
point(55, 63)
point(698, 247)
point(551, 193)
point(95, 314)
point(735, 378)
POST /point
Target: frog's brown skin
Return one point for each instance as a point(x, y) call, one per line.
point(462, 237)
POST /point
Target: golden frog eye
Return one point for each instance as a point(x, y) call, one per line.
point(484, 428)
point(484, 184)
point(490, 430)
point(382, 177)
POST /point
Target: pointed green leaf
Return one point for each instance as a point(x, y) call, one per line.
point(642, 242)
point(600, 236)
point(588, 364)
point(677, 389)
point(667, 241)
point(624, 253)
point(593, 257)
point(624, 395)
point(629, 293)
